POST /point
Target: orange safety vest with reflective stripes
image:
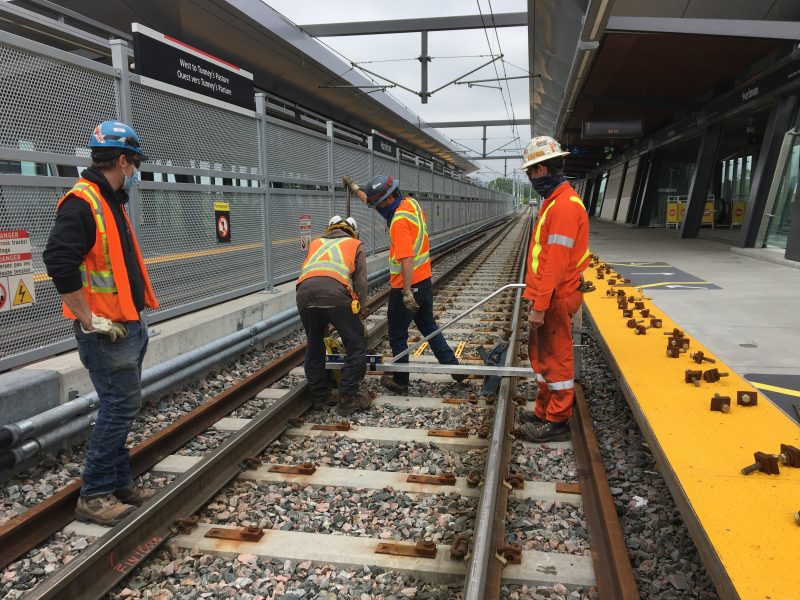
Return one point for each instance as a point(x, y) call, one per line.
point(106, 285)
point(559, 249)
point(334, 258)
point(408, 237)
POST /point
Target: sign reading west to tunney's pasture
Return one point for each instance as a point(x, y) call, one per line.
point(171, 61)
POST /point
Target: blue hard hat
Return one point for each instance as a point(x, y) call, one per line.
point(111, 135)
point(379, 188)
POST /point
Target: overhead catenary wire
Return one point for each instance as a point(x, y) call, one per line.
point(505, 74)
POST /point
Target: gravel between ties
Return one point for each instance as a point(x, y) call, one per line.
point(665, 560)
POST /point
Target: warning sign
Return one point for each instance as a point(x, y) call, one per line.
point(222, 220)
point(23, 294)
point(16, 270)
point(304, 221)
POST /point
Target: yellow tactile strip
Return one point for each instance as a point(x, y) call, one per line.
point(748, 520)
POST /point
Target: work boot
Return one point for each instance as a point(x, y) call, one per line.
point(105, 509)
point(331, 398)
point(390, 384)
point(135, 495)
point(351, 403)
point(528, 416)
point(550, 431)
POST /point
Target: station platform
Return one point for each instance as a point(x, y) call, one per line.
point(743, 313)
point(745, 307)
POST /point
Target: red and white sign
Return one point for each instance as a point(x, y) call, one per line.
point(16, 270)
point(304, 222)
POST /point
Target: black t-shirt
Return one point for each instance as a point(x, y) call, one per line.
point(73, 236)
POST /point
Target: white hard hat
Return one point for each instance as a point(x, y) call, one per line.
point(336, 219)
point(541, 148)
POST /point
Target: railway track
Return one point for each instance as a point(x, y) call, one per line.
point(460, 518)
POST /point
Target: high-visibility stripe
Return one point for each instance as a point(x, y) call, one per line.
point(420, 257)
point(334, 265)
point(562, 385)
point(561, 240)
point(98, 281)
point(540, 379)
point(537, 247)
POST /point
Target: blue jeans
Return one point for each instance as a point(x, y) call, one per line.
point(116, 372)
point(400, 318)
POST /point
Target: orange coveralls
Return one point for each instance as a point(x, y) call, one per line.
point(558, 254)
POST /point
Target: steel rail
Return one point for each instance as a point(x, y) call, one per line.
point(485, 569)
point(612, 566)
point(97, 570)
point(49, 516)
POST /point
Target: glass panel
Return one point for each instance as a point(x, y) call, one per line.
point(672, 192)
point(601, 194)
point(778, 225)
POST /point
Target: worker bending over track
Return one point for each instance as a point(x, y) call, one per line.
point(330, 290)
point(411, 296)
point(559, 252)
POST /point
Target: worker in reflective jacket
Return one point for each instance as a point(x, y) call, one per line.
point(411, 295)
point(94, 261)
point(558, 254)
point(330, 290)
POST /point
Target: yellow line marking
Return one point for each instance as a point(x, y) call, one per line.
point(641, 265)
point(155, 260)
point(775, 388)
point(649, 285)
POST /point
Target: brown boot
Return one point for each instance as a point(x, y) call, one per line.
point(354, 402)
point(105, 509)
point(135, 495)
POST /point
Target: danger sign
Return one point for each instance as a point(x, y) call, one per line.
point(304, 224)
point(16, 270)
point(222, 220)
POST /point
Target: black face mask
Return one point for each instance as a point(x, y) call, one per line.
point(545, 184)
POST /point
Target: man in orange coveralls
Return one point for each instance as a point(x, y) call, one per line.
point(558, 254)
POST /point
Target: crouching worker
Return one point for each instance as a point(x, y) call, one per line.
point(331, 286)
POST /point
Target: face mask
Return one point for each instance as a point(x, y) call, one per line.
point(388, 211)
point(131, 180)
point(545, 185)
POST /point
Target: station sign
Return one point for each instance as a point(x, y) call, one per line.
point(163, 58)
point(615, 129)
point(383, 144)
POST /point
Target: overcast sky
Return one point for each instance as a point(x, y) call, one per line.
point(456, 102)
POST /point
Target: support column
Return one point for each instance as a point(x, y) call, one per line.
point(424, 59)
point(778, 123)
point(372, 219)
point(261, 123)
point(119, 60)
point(704, 168)
point(329, 127)
point(622, 179)
point(649, 195)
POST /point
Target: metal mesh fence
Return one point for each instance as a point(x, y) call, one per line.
point(178, 236)
point(214, 158)
point(46, 104)
point(186, 133)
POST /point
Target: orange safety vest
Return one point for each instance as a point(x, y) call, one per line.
point(106, 285)
point(334, 258)
point(410, 213)
point(559, 249)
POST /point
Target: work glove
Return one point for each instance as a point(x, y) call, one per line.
point(115, 331)
point(351, 185)
point(410, 302)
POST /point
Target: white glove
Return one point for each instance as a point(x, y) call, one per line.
point(410, 302)
point(115, 331)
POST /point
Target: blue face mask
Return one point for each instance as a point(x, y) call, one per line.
point(387, 212)
point(545, 185)
point(131, 181)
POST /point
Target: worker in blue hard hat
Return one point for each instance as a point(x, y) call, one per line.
point(411, 295)
point(95, 263)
